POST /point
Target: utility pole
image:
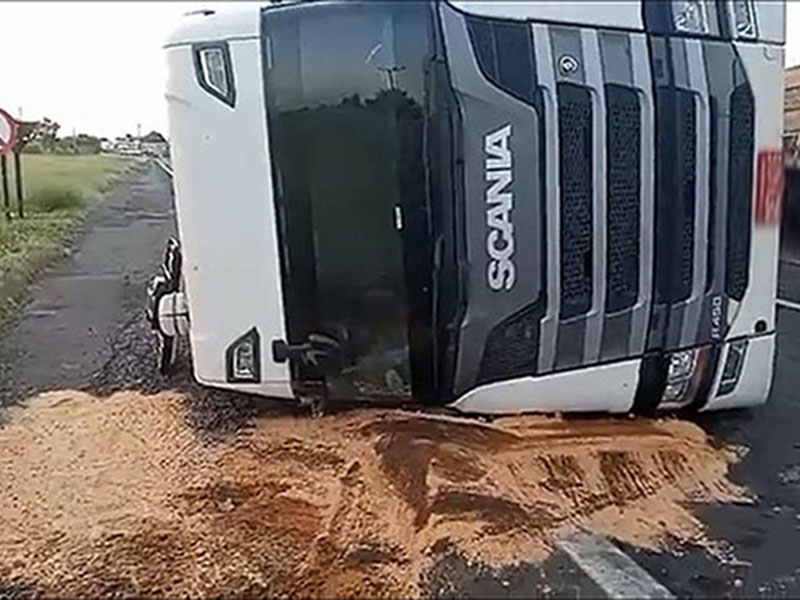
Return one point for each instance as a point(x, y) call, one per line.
point(390, 75)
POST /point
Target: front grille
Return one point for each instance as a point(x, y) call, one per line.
point(623, 127)
point(512, 347)
point(575, 168)
point(740, 186)
point(632, 107)
point(687, 152)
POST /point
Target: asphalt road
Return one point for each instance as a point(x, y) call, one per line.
point(84, 328)
point(762, 541)
point(70, 330)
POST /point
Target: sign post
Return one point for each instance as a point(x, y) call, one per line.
point(18, 179)
point(6, 199)
point(8, 138)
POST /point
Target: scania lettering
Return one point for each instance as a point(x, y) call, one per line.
point(500, 202)
point(497, 207)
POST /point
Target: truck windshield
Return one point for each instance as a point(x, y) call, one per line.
point(345, 87)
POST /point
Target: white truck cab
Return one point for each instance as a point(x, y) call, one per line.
point(496, 206)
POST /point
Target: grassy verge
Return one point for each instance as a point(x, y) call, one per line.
point(58, 192)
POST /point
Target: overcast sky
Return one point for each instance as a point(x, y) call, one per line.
point(98, 67)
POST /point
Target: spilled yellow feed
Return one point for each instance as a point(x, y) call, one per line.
point(120, 495)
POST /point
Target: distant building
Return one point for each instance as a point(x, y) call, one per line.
point(791, 114)
point(154, 144)
point(128, 145)
point(791, 101)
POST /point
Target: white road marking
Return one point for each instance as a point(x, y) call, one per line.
point(610, 568)
point(164, 166)
point(787, 304)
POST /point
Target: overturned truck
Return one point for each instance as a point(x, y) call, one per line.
point(495, 206)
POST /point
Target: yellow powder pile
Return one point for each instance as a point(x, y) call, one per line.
point(120, 496)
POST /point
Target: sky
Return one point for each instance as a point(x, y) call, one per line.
point(98, 67)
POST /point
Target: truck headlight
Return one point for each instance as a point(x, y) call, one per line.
point(681, 366)
point(744, 18)
point(733, 367)
point(674, 394)
point(679, 375)
point(690, 16)
point(243, 359)
point(212, 62)
point(685, 373)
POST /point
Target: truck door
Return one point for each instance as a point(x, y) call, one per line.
point(345, 101)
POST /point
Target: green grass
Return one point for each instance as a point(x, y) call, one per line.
point(55, 198)
point(58, 190)
point(88, 176)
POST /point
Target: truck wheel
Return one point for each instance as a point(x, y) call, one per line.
point(166, 281)
point(167, 347)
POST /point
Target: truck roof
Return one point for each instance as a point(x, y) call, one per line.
point(229, 22)
point(243, 22)
point(240, 22)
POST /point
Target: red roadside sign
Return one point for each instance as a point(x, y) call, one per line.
point(769, 187)
point(8, 132)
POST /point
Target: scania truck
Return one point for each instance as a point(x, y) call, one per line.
point(498, 207)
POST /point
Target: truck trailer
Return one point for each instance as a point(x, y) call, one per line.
point(497, 207)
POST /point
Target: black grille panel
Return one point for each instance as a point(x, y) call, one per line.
point(512, 347)
point(713, 191)
point(740, 186)
point(623, 128)
point(575, 168)
point(687, 152)
point(482, 38)
point(504, 50)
